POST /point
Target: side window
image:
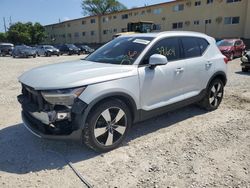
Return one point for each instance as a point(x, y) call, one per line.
point(238, 43)
point(203, 44)
point(168, 47)
point(190, 47)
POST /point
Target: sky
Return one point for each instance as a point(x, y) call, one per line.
point(50, 11)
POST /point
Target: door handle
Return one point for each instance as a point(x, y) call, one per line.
point(209, 64)
point(179, 70)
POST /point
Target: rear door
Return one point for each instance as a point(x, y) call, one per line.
point(199, 66)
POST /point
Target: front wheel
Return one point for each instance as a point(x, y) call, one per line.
point(213, 96)
point(107, 125)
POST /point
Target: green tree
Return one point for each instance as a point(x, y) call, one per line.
point(26, 33)
point(3, 37)
point(101, 7)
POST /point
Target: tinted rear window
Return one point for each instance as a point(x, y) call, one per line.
point(190, 47)
point(194, 46)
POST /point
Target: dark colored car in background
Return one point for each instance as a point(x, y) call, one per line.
point(245, 65)
point(85, 49)
point(6, 49)
point(47, 50)
point(23, 51)
point(232, 48)
point(69, 49)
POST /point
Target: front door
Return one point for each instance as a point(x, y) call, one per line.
point(162, 85)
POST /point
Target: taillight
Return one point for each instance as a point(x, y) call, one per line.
point(226, 60)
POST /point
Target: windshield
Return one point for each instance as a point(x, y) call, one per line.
point(225, 43)
point(120, 51)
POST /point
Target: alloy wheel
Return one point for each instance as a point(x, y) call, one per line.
point(110, 126)
point(216, 94)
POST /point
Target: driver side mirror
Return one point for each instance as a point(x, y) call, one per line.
point(157, 59)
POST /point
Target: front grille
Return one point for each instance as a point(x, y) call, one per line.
point(34, 97)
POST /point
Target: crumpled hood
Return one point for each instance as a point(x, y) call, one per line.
point(74, 74)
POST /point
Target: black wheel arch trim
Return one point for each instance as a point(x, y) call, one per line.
point(218, 74)
point(118, 95)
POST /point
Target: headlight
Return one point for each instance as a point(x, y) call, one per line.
point(62, 96)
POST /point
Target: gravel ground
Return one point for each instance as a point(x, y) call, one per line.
point(185, 148)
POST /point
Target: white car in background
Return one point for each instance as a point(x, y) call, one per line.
point(130, 79)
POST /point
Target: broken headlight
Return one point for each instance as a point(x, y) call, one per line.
point(62, 96)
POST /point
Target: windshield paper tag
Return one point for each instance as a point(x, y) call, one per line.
point(141, 41)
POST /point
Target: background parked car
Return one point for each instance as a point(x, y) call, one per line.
point(23, 51)
point(245, 65)
point(6, 49)
point(232, 48)
point(69, 49)
point(47, 50)
point(85, 49)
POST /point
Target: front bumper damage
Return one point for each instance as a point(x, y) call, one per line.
point(46, 120)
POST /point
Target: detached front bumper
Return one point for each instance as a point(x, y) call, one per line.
point(51, 121)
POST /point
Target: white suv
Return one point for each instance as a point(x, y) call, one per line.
point(130, 79)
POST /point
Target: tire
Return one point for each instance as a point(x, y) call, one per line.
point(109, 135)
point(214, 95)
point(244, 69)
point(34, 56)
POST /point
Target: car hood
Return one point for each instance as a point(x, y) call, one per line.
point(223, 48)
point(74, 74)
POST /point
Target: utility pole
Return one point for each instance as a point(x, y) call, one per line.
point(4, 24)
point(10, 21)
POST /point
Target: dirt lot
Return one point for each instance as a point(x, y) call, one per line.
point(185, 148)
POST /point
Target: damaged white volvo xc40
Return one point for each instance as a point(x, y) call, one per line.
point(130, 79)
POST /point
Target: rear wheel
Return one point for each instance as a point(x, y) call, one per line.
point(107, 126)
point(213, 96)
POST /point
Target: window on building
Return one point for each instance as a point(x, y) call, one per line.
point(197, 3)
point(196, 22)
point(76, 34)
point(105, 19)
point(168, 47)
point(83, 33)
point(92, 21)
point(114, 30)
point(68, 24)
point(124, 30)
point(83, 22)
point(105, 32)
point(231, 20)
point(149, 11)
point(143, 12)
point(210, 1)
point(208, 21)
point(63, 35)
point(157, 11)
point(136, 13)
point(92, 33)
point(177, 25)
point(125, 16)
point(69, 35)
point(158, 27)
point(233, 1)
point(130, 14)
point(191, 47)
point(179, 7)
